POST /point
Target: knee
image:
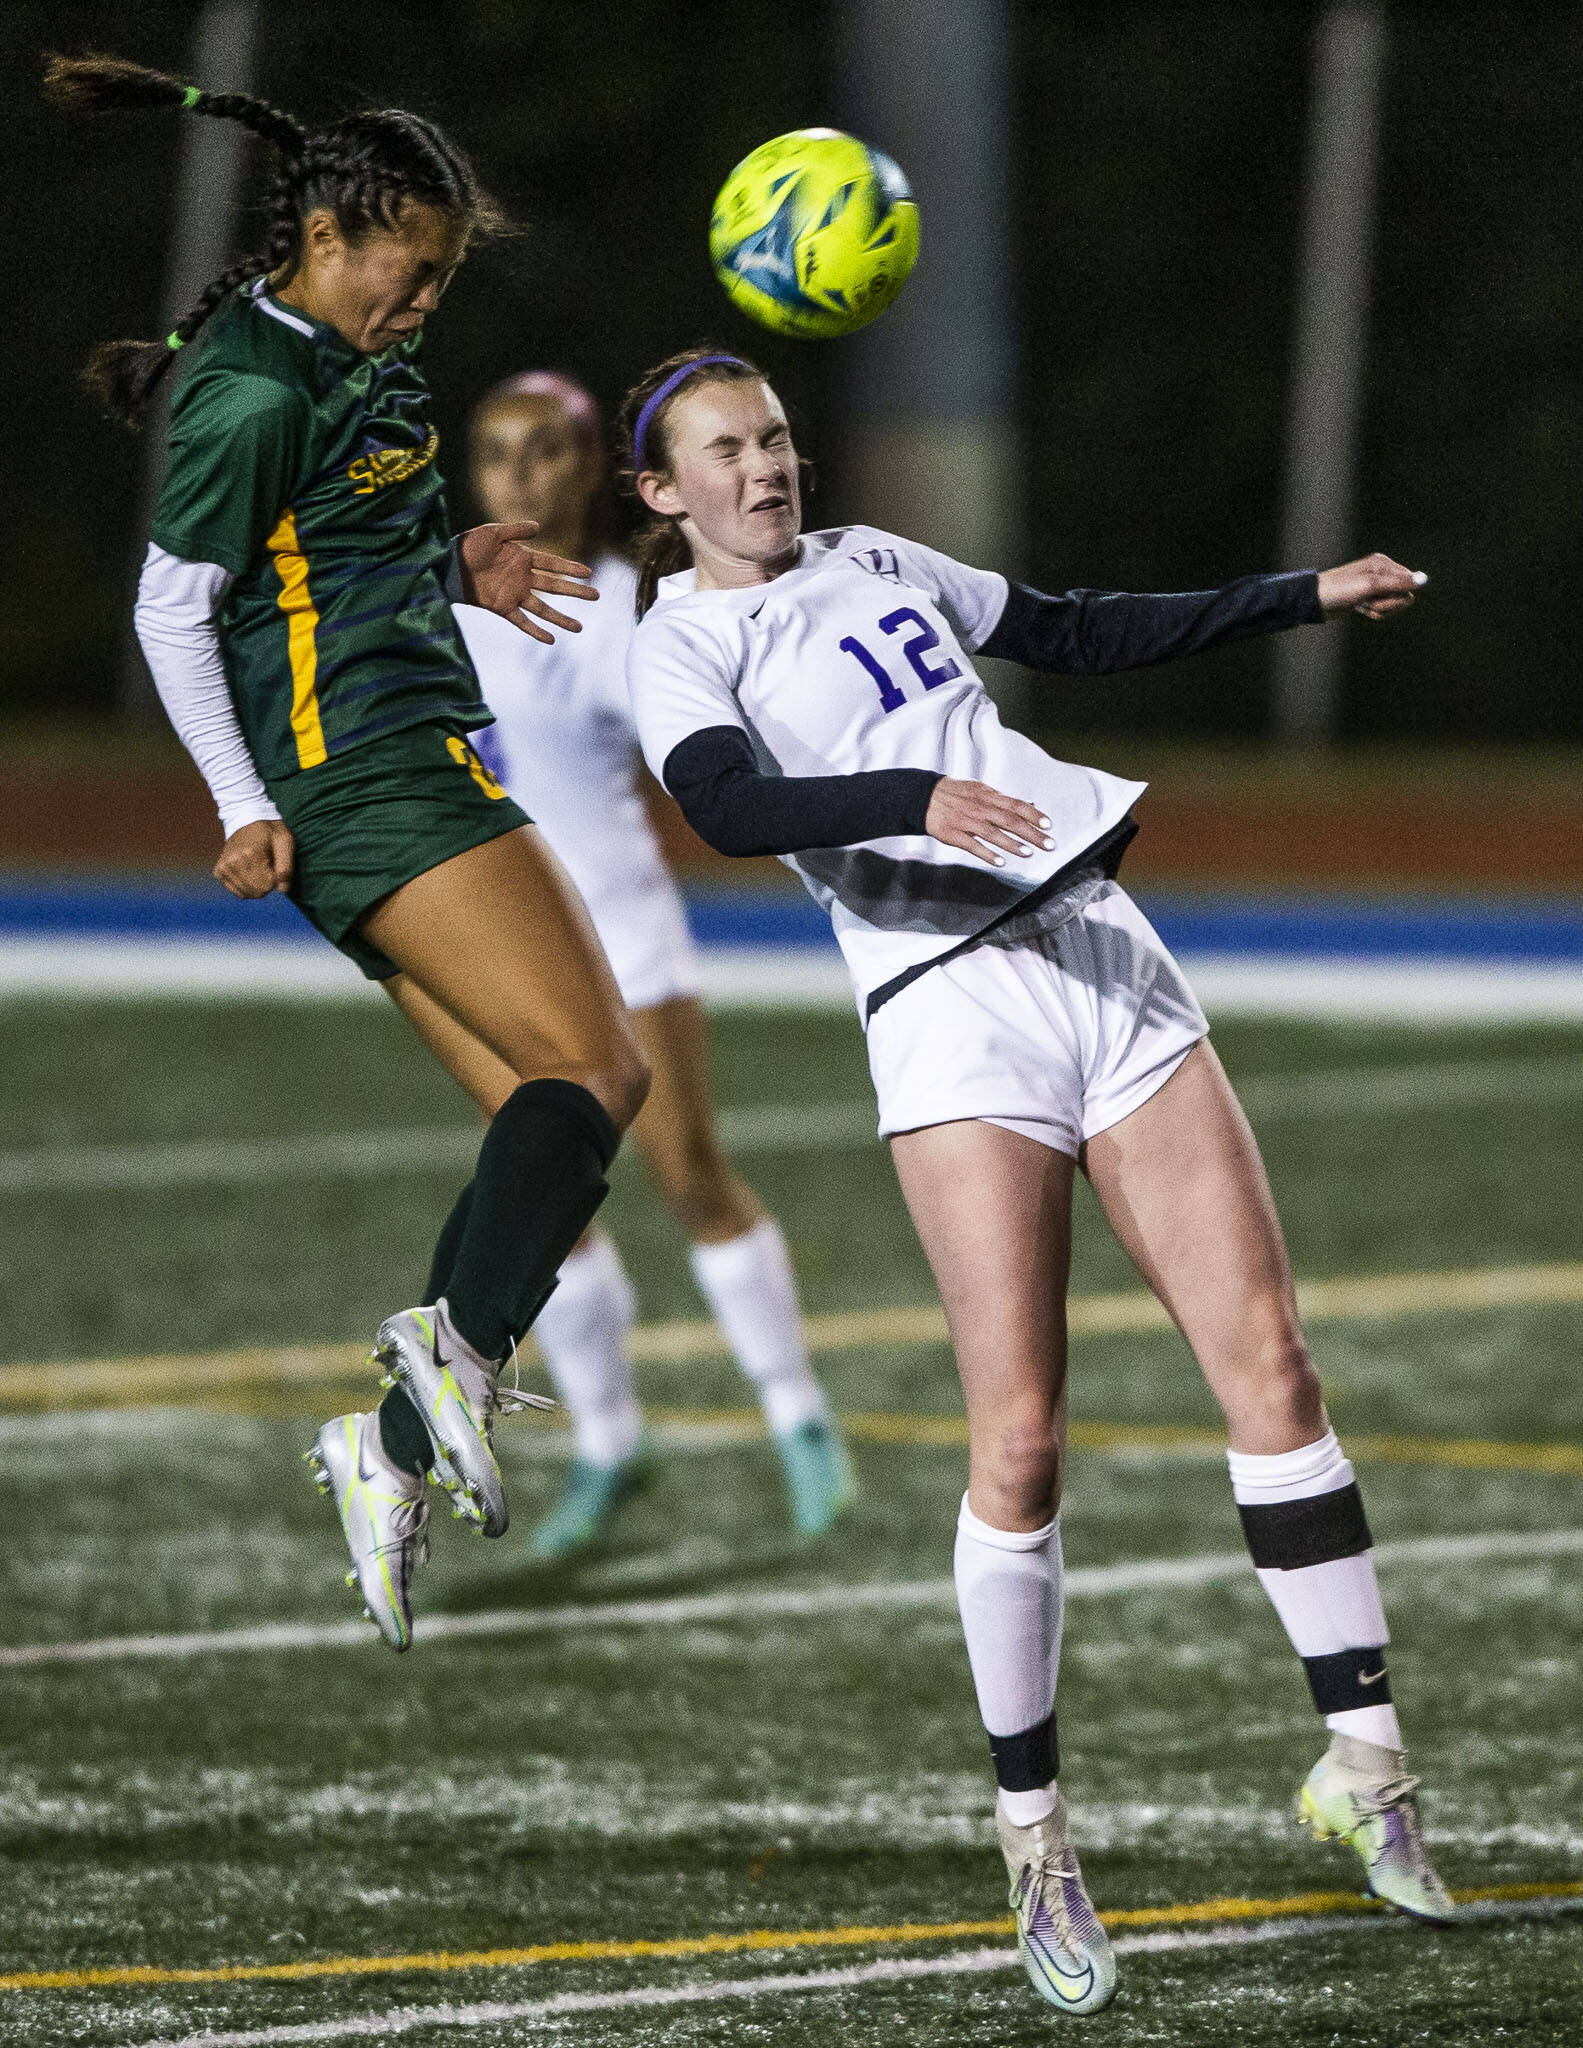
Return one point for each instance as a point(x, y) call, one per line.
point(1279, 1386)
point(1016, 1478)
point(621, 1082)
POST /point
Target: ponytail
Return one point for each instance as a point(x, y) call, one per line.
point(362, 169)
point(661, 551)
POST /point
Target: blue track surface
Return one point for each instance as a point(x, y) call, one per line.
point(1294, 927)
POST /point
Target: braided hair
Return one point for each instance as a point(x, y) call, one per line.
point(362, 168)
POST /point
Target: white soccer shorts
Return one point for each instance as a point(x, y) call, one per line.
point(1057, 1037)
point(643, 928)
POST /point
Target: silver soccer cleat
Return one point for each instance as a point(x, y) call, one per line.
point(384, 1515)
point(1360, 1794)
point(458, 1400)
point(1065, 1951)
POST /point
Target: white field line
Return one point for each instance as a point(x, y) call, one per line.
point(778, 1603)
point(1404, 991)
point(1386, 991)
point(763, 1129)
point(534, 2013)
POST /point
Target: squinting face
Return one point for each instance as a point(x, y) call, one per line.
point(732, 479)
point(530, 461)
point(379, 290)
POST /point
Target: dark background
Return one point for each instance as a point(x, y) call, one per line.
point(1157, 178)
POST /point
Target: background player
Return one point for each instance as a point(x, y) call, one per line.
point(296, 610)
point(565, 746)
point(815, 697)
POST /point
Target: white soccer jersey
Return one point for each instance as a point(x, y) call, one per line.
point(858, 659)
point(564, 744)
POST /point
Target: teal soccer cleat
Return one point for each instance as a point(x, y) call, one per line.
point(820, 1482)
point(1361, 1795)
point(589, 1502)
point(1065, 1951)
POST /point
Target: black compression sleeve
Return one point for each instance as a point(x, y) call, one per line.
point(732, 807)
point(1096, 632)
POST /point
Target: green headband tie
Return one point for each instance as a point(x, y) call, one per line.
point(191, 96)
point(174, 340)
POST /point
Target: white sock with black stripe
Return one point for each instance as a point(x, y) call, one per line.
point(1008, 1587)
point(1303, 1518)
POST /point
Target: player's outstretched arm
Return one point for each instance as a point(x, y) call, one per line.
point(495, 569)
point(1103, 632)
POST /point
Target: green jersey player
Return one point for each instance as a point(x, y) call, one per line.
point(295, 608)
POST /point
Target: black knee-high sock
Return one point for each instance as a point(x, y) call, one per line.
point(401, 1431)
point(539, 1180)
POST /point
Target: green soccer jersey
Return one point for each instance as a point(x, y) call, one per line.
point(308, 471)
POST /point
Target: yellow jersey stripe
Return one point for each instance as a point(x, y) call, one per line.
point(302, 624)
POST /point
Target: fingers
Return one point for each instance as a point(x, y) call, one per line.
point(983, 822)
point(284, 849)
point(1375, 586)
point(520, 530)
point(560, 586)
point(558, 565)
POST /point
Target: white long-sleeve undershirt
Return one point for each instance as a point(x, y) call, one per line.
point(176, 606)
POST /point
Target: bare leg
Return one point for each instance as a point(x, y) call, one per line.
point(1185, 1190)
point(993, 1211)
point(675, 1133)
point(498, 939)
point(463, 1054)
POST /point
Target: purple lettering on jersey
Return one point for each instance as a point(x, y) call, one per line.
point(923, 642)
point(891, 699)
point(879, 562)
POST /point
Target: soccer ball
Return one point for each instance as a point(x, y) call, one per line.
point(814, 234)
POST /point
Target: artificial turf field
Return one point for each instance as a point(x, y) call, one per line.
point(667, 1744)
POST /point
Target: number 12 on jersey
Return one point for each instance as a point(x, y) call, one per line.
point(917, 649)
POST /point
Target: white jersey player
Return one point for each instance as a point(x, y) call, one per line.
point(815, 697)
point(565, 746)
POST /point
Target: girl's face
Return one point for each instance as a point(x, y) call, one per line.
point(732, 480)
point(377, 290)
point(530, 460)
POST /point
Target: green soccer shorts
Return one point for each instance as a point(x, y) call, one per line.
point(369, 820)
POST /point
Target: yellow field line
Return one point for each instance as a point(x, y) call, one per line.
point(1302, 1904)
point(1476, 1454)
point(137, 1380)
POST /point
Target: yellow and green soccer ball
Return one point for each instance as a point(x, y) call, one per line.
point(814, 234)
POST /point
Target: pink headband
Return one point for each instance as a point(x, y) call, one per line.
point(574, 399)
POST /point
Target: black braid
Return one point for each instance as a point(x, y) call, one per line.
point(363, 169)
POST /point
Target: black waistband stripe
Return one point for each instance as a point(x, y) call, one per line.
point(1286, 1535)
point(1027, 1761)
point(1105, 854)
point(1349, 1679)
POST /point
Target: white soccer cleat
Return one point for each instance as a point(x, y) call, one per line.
point(384, 1515)
point(1065, 1951)
point(1360, 1794)
point(457, 1396)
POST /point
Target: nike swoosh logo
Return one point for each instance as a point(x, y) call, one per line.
point(1371, 1677)
point(1072, 1989)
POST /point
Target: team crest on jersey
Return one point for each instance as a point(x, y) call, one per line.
point(879, 562)
point(381, 466)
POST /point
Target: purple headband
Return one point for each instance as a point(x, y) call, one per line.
point(640, 431)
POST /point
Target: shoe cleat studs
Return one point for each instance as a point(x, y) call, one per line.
point(351, 1580)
